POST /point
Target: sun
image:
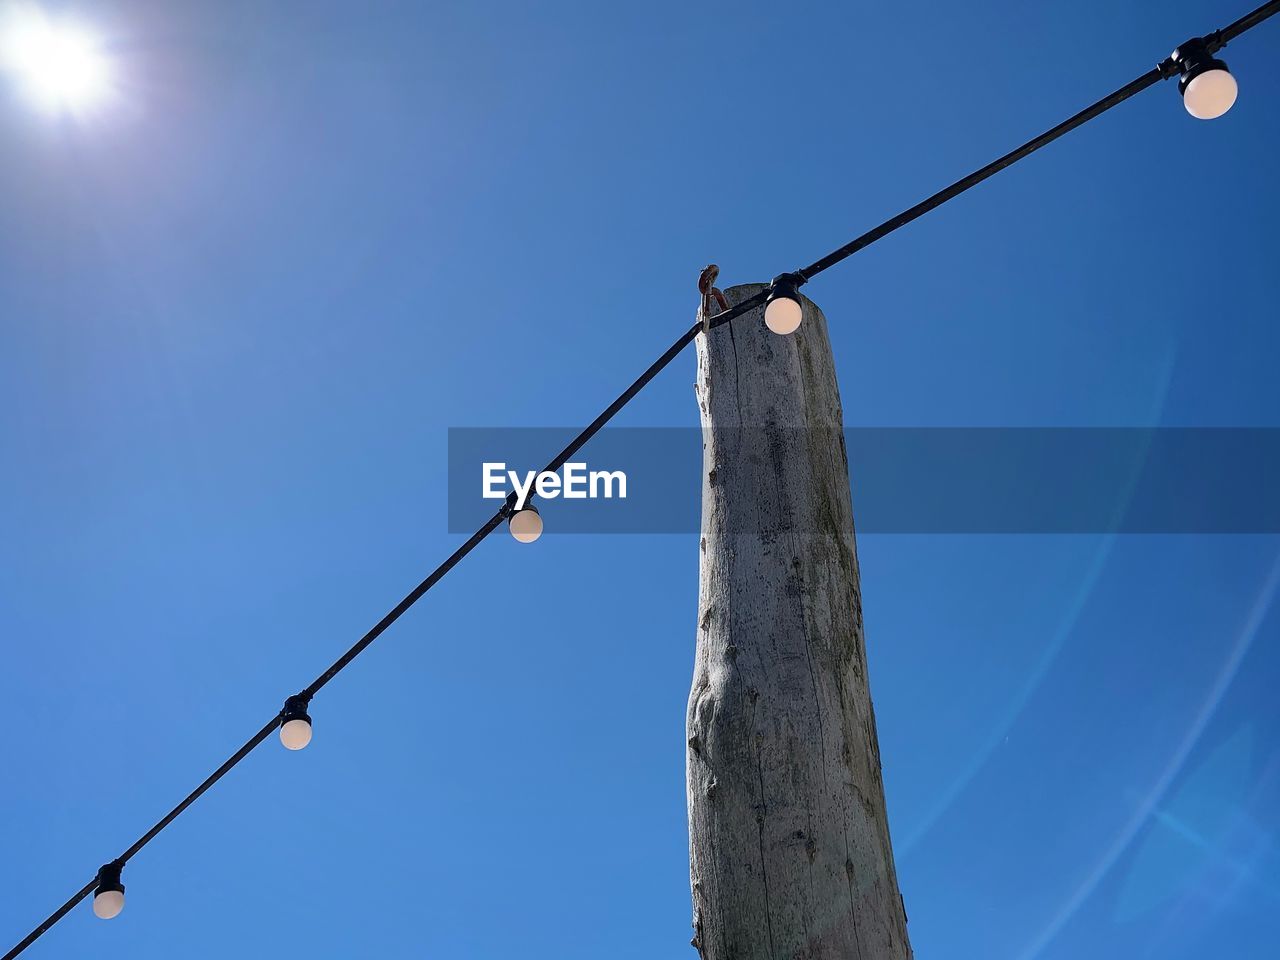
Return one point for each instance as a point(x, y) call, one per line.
point(60, 65)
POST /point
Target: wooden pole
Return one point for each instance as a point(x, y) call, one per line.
point(788, 839)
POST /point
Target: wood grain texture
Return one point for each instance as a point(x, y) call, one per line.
point(790, 856)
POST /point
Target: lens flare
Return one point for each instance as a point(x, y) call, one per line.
point(60, 65)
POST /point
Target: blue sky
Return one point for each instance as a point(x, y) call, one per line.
point(240, 310)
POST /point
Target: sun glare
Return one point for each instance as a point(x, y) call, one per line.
point(59, 64)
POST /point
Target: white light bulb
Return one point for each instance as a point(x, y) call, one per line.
point(295, 734)
point(525, 526)
point(1210, 95)
point(783, 315)
point(108, 903)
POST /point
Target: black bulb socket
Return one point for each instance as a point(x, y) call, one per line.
point(785, 286)
point(1194, 58)
point(109, 878)
point(295, 708)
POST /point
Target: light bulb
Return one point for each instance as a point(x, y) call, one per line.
point(783, 316)
point(1210, 94)
point(526, 524)
point(295, 724)
point(295, 734)
point(108, 904)
point(108, 897)
point(1207, 87)
point(782, 311)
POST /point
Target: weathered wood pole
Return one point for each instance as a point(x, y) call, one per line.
point(788, 840)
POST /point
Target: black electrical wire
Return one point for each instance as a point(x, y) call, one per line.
point(1248, 22)
point(1155, 75)
point(395, 614)
point(410, 599)
point(1166, 68)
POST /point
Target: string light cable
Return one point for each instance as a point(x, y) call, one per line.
point(1208, 91)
